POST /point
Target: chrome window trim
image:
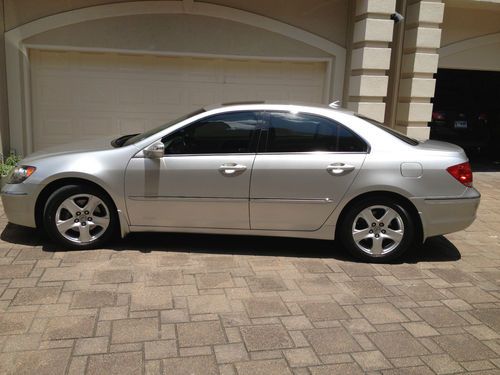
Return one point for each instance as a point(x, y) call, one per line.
point(273, 153)
point(215, 154)
point(313, 153)
point(184, 199)
point(293, 200)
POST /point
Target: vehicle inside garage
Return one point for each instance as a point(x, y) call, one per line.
point(467, 112)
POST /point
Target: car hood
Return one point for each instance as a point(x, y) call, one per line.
point(71, 148)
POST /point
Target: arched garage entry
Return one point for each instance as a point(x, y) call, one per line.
point(72, 89)
point(466, 105)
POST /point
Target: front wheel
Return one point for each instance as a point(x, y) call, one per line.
point(79, 217)
point(377, 230)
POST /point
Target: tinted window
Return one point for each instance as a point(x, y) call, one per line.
point(225, 133)
point(349, 142)
point(146, 134)
point(299, 132)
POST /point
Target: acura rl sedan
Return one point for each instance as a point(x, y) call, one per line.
point(250, 169)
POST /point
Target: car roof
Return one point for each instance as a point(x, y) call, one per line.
point(271, 105)
point(363, 128)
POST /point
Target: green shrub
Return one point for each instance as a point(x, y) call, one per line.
point(7, 164)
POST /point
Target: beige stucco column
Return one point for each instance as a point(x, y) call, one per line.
point(422, 38)
point(370, 58)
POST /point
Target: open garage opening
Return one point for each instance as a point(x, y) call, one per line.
point(467, 112)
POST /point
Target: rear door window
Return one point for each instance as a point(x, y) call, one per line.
point(301, 132)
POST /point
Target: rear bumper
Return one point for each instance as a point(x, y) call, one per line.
point(447, 215)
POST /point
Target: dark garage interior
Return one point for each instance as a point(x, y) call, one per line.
point(467, 112)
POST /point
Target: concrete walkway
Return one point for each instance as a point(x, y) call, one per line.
point(195, 304)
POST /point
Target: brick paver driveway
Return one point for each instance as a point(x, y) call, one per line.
point(192, 304)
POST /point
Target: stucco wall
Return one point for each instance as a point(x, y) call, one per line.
point(326, 18)
point(176, 33)
point(471, 36)
point(486, 57)
point(465, 23)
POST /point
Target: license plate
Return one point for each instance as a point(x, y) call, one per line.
point(460, 124)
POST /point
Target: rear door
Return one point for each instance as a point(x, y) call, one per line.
point(307, 166)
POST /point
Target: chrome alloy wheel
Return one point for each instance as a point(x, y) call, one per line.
point(378, 230)
point(82, 218)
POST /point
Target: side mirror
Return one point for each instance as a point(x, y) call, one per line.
point(155, 151)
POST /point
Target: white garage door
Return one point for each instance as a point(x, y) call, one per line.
point(82, 95)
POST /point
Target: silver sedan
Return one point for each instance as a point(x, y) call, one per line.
point(252, 169)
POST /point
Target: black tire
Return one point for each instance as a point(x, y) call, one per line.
point(62, 194)
point(346, 227)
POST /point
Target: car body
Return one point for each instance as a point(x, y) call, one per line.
point(265, 178)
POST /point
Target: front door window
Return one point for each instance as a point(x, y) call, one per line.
point(229, 133)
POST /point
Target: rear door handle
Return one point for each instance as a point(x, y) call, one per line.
point(338, 169)
point(231, 169)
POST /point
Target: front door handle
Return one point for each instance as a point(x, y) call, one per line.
point(232, 169)
point(338, 169)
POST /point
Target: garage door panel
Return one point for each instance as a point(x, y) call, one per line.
point(80, 95)
point(164, 68)
point(201, 94)
point(96, 92)
point(132, 125)
point(54, 130)
point(91, 62)
point(53, 127)
point(305, 94)
point(308, 74)
point(201, 70)
point(52, 91)
point(234, 93)
point(128, 63)
point(90, 126)
point(253, 72)
point(271, 93)
point(171, 94)
point(52, 61)
point(131, 93)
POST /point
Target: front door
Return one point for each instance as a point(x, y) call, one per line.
point(202, 181)
point(305, 170)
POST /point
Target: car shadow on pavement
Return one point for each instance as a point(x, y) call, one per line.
point(436, 249)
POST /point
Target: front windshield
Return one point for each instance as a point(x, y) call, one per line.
point(148, 133)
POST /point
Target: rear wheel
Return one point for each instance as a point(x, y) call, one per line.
point(79, 217)
point(377, 229)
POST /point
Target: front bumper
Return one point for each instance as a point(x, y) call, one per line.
point(19, 203)
point(447, 215)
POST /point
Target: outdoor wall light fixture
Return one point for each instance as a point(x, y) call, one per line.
point(396, 17)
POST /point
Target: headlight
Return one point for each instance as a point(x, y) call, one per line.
point(20, 173)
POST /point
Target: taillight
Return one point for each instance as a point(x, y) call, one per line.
point(483, 117)
point(438, 116)
point(462, 173)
